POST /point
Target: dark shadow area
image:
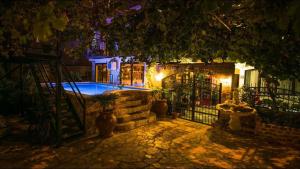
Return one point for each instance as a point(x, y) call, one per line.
point(257, 151)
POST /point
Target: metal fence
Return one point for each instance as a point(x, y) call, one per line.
point(192, 97)
point(283, 99)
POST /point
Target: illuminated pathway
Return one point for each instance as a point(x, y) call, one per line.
point(173, 144)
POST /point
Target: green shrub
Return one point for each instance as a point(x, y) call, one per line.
point(248, 96)
point(267, 102)
point(281, 118)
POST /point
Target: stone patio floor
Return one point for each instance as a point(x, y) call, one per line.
point(164, 144)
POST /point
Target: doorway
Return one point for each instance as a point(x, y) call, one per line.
point(102, 74)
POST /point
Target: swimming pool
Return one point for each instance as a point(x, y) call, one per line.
point(92, 88)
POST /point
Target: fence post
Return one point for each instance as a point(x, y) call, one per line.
point(22, 90)
point(220, 93)
point(58, 100)
point(193, 97)
point(220, 98)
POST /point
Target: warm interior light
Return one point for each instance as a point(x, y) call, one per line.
point(159, 76)
point(225, 81)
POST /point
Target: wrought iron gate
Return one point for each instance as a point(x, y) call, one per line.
point(193, 96)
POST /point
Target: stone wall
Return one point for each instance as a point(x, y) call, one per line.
point(247, 122)
point(253, 124)
point(94, 108)
point(281, 134)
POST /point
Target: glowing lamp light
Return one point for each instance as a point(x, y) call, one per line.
point(159, 76)
point(225, 81)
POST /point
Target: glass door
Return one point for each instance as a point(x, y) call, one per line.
point(102, 74)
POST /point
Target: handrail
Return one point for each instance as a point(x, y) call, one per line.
point(80, 99)
point(45, 80)
point(11, 71)
point(41, 94)
point(72, 81)
point(38, 84)
point(47, 76)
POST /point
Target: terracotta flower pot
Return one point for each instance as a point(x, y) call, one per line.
point(106, 123)
point(175, 115)
point(160, 108)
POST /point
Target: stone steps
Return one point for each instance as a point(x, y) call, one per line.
point(69, 125)
point(130, 110)
point(133, 110)
point(70, 135)
point(122, 99)
point(129, 103)
point(136, 123)
point(133, 116)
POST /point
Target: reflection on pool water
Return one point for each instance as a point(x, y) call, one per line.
point(92, 88)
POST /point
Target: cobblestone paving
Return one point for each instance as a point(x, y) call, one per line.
point(165, 144)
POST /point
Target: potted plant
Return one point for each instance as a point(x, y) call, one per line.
point(106, 120)
point(159, 105)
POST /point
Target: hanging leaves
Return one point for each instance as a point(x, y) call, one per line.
point(60, 23)
point(47, 21)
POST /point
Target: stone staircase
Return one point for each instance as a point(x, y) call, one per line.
point(70, 123)
point(133, 109)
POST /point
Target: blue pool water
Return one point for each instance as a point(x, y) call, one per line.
point(92, 88)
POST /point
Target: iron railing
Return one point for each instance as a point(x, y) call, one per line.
point(192, 97)
point(285, 100)
point(77, 93)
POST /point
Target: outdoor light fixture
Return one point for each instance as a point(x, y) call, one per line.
point(159, 76)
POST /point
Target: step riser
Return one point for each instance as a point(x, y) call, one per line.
point(124, 98)
point(127, 118)
point(130, 104)
point(134, 124)
point(131, 110)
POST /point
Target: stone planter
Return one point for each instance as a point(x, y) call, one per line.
point(235, 111)
point(235, 122)
point(160, 108)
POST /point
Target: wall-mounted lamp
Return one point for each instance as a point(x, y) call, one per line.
point(159, 76)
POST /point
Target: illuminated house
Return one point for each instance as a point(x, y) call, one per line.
point(214, 73)
point(118, 71)
point(254, 79)
point(125, 71)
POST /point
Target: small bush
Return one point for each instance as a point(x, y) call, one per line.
point(281, 118)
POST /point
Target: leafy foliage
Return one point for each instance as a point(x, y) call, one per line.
point(279, 118)
point(248, 96)
point(262, 33)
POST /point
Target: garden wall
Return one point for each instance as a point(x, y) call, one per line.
point(281, 134)
point(247, 122)
point(94, 108)
point(254, 125)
